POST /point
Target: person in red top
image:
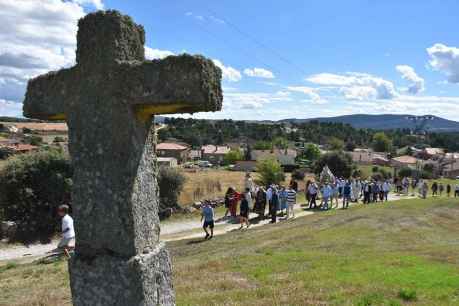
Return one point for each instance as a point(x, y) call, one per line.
point(234, 198)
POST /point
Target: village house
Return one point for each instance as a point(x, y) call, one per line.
point(431, 153)
point(178, 151)
point(451, 170)
point(405, 161)
point(286, 157)
point(368, 157)
point(167, 162)
point(214, 154)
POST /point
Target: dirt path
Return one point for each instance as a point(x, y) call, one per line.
point(170, 231)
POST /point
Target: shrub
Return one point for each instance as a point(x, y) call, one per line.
point(32, 186)
point(232, 156)
point(339, 163)
point(170, 182)
point(405, 172)
point(269, 171)
point(407, 294)
point(311, 152)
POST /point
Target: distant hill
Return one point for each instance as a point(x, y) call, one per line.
point(385, 122)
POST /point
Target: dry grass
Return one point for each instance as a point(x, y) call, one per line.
point(209, 184)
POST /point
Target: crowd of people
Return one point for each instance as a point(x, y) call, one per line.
point(275, 201)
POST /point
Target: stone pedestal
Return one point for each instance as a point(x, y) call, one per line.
point(109, 280)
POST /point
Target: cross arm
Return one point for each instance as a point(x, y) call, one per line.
point(46, 95)
point(176, 84)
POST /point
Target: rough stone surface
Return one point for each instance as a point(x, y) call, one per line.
point(108, 100)
point(103, 280)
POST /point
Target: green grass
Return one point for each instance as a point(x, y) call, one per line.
point(401, 253)
point(367, 170)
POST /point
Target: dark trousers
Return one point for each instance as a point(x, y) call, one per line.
point(273, 215)
point(366, 198)
point(312, 201)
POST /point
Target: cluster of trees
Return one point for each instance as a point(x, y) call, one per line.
point(33, 185)
point(336, 136)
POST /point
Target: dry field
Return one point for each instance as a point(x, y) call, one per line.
point(209, 184)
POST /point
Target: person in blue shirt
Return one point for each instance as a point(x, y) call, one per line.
point(346, 194)
point(208, 215)
point(283, 200)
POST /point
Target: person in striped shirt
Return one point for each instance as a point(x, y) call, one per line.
point(291, 201)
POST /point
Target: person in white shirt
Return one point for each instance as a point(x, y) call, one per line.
point(386, 189)
point(68, 232)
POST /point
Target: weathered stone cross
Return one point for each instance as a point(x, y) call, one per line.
point(108, 99)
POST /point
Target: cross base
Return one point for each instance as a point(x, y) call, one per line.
point(142, 280)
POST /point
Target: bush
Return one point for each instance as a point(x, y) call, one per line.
point(407, 294)
point(339, 163)
point(269, 171)
point(32, 186)
point(405, 172)
point(381, 142)
point(170, 182)
point(311, 152)
point(233, 156)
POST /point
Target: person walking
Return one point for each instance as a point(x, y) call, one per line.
point(448, 190)
point(434, 189)
point(274, 204)
point(208, 215)
point(335, 195)
point(269, 198)
point(347, 189)
point(386, 190)
point(260, 202)
point(244, 212)
point(313, 189)
point(327, 192)
point(366, 192)
point(441, 189)
point(283, 200)
point(456, 191)
point(291, 201)
point(67, 242)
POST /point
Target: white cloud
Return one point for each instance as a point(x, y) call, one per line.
point(357, 86)
point(229, 73)
point(40, 36)
point(259, 73)
point(445, 59)
point(10, 108)
point(408, 73)
point(314, 97)
point(253, 100)
point(96, 3)
point(156, 53)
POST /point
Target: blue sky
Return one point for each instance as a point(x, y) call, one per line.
point(280, 59)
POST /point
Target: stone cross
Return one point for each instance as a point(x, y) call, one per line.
point(108, 100)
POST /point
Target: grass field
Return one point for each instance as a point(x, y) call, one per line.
point(401, 253)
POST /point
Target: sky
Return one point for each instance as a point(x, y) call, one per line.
point(280, 59)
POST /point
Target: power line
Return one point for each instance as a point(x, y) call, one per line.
point(256, 41)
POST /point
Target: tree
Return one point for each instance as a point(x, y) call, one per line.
point(248, 153)
point(405, 172)
point(32, 186)
point(335, 144)
point(170, 183)
point(280, 143)
point(381, 142)
point(349, 146)
point(311, 152)
point(339, 163)
point(269, 171)
point(232, 156)
point(263, 145)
